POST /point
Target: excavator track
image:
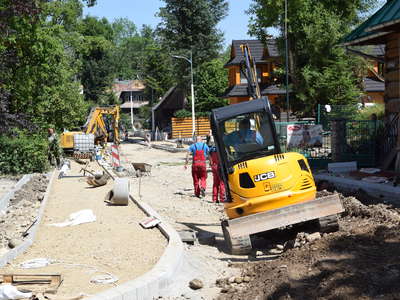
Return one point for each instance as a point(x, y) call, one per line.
point(328, 224)
point(240, 245)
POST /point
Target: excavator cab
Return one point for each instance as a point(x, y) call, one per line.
point(245, 132)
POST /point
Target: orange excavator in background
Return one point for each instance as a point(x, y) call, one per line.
point(102, 122)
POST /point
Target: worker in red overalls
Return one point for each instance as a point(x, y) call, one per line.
point(199, 151)
point(218, 183)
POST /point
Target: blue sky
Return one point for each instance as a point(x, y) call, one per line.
point(143, 12)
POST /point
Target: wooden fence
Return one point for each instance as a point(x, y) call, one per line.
point(182, 127)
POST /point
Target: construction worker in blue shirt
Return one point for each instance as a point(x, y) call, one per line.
point(199, 151)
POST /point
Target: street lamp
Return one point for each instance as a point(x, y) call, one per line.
point(287, 61)
point(190, 61)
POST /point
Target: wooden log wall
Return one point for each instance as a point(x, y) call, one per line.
point(392, 73)
point(182, 127)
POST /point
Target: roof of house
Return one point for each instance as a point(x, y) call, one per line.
point(173, 99)
point(257, 49)
point(388, 15)
point(371, 50)
point(135, 104)
point(373, 85)
point(366, 33)
point(240, 90)
point(120, 86)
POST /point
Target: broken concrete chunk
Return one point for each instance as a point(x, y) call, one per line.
point(188, 236)
point(275, 251)
point(196, 284)
point(238, 280)
point(313, 237)
point(13, 243)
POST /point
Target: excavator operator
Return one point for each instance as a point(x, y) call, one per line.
point(243, 136)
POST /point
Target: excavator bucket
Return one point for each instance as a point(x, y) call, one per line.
point(285, 216)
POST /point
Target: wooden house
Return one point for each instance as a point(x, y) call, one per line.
point(373, 83)
point(383, 27)
point(131, 94)
point(267, 58)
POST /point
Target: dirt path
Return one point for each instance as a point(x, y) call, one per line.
point(114, 243)
point(169, 191)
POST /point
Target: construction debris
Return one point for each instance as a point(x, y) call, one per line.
point(104, 279)
point(97, 180)
point(150, 222)
point(142, 169)
point(52, 281)
point(188, 236)
point(196, 284)
point(22, 212)
point(10, 292)
point(77, 218)
point(36, 263)
point(64, 169)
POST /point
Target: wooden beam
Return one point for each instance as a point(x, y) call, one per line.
point(52, 280)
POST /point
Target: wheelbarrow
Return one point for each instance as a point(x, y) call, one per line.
point(142, 168)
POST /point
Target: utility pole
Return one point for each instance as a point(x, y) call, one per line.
point(131, 109)
point(190, 61)
point(287, 61)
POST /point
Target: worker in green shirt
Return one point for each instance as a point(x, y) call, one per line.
point(54, 151)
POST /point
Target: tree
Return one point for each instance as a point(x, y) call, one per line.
point(320, 70)
point(38, 72)
point(212, 80)
point(191, 25)
point(130, 51)
point(98, 71)
point(158, 72)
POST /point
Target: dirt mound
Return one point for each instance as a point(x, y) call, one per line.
point(380, 213)
point(361, 261)
point(21, 212)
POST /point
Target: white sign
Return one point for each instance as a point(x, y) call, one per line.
point(301, 135)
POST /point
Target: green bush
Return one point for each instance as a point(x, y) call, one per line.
point(23, 153)
point(367, 112)
point(183, 113)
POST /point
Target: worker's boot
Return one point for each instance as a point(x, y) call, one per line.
point(202, 192)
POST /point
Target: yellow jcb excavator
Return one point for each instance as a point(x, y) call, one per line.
point(96, 125)
point(266, 189)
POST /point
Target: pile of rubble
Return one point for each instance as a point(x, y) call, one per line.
point(22, 212)
point(360, 261)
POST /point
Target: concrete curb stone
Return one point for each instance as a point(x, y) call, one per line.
point(385, 192)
